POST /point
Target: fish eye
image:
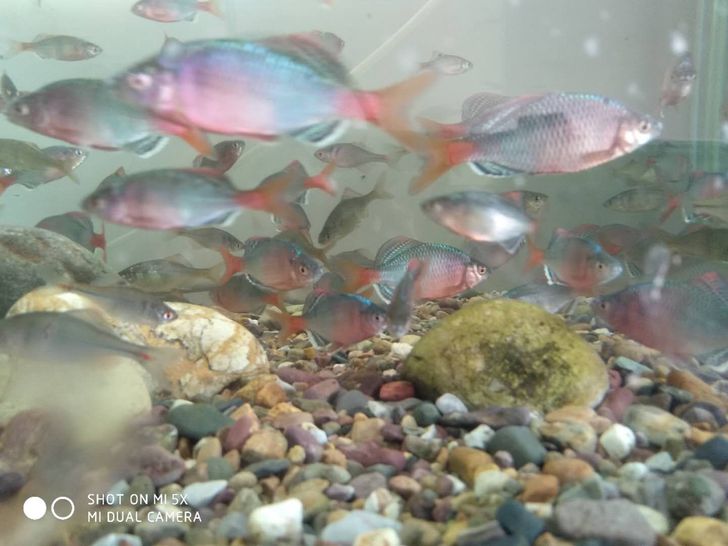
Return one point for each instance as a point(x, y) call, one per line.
point(644, 126)
point(378, 317)
point(302, 269)
point(600, 266)
point(21, 109)
point(139, 81)
point(168, 315)
point(482, 270)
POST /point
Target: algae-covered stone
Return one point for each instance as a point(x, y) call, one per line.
point(29, 256)
point(506, 352)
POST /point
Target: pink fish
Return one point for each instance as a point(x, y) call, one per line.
point(86, 112)
point(241, 294)
point(542, 134)
point(686, 318)
point(576, 262)
point(227, 153)
point(172, 11)
point(181, 198)
point(447, 270)
point(275, 264)
point(340, 319)
point(263, 89)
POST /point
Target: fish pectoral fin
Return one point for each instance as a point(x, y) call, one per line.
point(488, 168)
point(196, 138)
point(322, 133)
point(147, 146)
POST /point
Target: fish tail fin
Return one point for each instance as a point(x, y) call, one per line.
point(211, 6)
point(322, 180)
point(672, 204)
point(6, 182)
point(98, 240)
point(290, 324)
point(233, 264)
point(443, 130)
point(438, 162)
point(10, 48)
point(392, 105)
point(535, 255)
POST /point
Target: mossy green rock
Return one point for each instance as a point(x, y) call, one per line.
point(507, 353)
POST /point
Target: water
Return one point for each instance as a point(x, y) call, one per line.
point(619, 49)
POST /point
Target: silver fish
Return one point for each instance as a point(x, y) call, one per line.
point(447, 65)
point(479, 216)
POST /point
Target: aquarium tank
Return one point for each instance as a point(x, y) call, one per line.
point(348, 272)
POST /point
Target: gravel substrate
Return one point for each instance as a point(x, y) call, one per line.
point(330, 450)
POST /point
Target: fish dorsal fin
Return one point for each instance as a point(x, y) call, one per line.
point(481, 102)
point(295, 167)
point(121, 171)
point(252, 242)
point(312, 299)
point(436, 54)
point(323, 133)
point(42, 36)
point(350, 193)
point(171, 49)
point(179, 259)
point(393, 247)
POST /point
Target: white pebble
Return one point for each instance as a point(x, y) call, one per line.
point(458, 486)
point(489, 482)
point(618, 441)
point(201, 493)
point(400, 350)
point(117, 539)
point(479, 437)
point(119, 488)
point(449, 403)
point(429, 433)
point(318, 434)
point(277, 522)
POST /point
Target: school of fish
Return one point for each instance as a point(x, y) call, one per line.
point(666, 290)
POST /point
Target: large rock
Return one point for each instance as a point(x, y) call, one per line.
point(507, 353)
point(29, 255)
point(216, 350)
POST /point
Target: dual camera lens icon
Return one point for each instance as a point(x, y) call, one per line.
point(35, 508)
